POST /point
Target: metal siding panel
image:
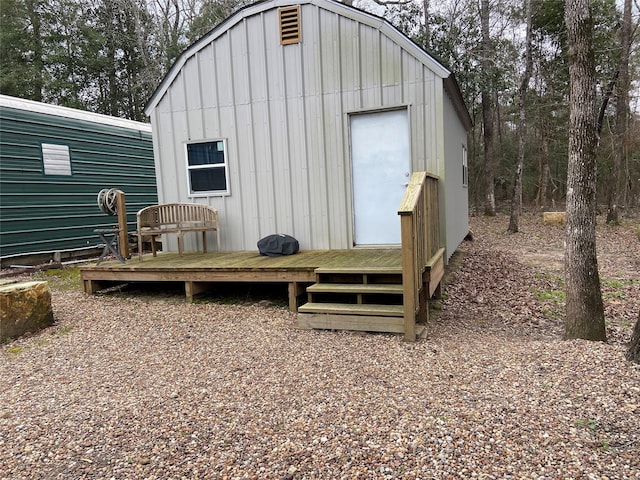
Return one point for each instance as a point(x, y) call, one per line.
point(349, 55)
point(299, 173)
point(317, 168)
point(239, 58)
point(177, 163)
point(224, 75)
point(329, 29)
point(390, 62)
point(257, 58)
point(335, 171)
point(247, 173)
point(176, 94)
point(456, 210)
point(207, 78)
point(282, 178)
point(264, 170)
point(274, 53)
point(211, 123)
point(41, 212)
point(370, 67)
point(167, 185)
point(311, 52)
point(196, 125)
point(230, 207)
point(191, 84)
point(293, 71)
point(430, 121)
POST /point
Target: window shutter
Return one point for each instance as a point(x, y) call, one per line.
point(290, 31)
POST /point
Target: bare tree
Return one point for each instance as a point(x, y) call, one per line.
point(617, 190)
point(516, 201)
point(488, 110)
point(584, 307)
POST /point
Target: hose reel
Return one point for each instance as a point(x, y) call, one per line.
point(111, 201)
point(108, 200)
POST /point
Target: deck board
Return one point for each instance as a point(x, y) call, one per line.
point(247, 260)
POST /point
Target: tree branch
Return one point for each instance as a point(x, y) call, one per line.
point(392, 2)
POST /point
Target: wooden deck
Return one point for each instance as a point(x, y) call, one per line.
point(383, 290)
point(199, 270)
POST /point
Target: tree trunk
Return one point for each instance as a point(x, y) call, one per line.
point(584, 308)
point(516, 201)
point(487, 111)
point(633, 354)
point(544, 171)
point(618, 183)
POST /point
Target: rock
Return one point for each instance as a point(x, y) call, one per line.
point(554, 218)
point(24, 307)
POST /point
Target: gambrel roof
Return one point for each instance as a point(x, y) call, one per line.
point(373, 21)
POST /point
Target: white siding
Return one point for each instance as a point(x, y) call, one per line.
point(284, 113)
point(454, 202)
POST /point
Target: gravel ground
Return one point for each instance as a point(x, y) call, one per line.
point(148, 387)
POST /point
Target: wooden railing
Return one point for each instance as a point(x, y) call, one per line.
point(422, 257)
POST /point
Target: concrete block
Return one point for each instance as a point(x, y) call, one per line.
point(24, 307)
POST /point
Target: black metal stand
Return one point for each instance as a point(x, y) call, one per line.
point(110, 244)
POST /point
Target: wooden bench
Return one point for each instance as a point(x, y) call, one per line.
point(178, 218)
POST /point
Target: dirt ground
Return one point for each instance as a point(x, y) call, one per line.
point(516, 280)
point(138, 384)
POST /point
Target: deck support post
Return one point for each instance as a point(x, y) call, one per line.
point(94, 286)
point(191, 289)
point(295, 290)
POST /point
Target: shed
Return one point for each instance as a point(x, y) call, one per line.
point(53, 162)
point(308, 118)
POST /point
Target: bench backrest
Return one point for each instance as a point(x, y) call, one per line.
point(176, 214)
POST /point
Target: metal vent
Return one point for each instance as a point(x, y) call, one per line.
point(56, 159)
point(290, 31)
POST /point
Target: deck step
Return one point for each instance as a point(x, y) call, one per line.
point(353, 309)
point(368, 323)
point(361, 270)
point(373, 288)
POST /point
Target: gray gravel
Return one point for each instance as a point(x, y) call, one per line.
point(132, 387)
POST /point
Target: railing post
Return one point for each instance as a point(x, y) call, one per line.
point(408, 277)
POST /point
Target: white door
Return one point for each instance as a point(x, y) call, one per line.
point(381, 169)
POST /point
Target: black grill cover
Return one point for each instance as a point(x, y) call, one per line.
point(278, 244)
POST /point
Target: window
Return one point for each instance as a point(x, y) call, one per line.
point(207, 167)
point(56, 159)
point(465, 169)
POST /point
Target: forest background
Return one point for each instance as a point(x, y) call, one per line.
point(510, 59)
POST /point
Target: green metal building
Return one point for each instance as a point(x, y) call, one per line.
point(53, 163)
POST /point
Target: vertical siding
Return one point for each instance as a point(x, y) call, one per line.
point(455, 204)
point(284, 112)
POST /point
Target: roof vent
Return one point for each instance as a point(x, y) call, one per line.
point(289, 25)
